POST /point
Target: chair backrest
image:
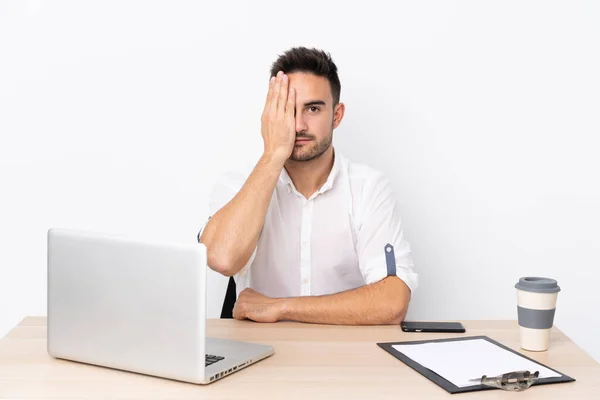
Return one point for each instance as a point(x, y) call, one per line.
point(230, 297)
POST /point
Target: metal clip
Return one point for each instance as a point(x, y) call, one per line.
point(516, 381)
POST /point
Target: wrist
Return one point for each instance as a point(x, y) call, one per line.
point(276, 158)
point(285, 305)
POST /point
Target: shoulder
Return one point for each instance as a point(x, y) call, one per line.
point(365, 180)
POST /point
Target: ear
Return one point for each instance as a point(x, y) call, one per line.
point(338, 114)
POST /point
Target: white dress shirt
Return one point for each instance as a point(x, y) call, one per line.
point(331, 242)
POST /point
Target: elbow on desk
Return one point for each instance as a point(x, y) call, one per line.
point(397, 315)
point(397, 300)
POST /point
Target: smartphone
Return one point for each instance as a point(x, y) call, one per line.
point(416, 326)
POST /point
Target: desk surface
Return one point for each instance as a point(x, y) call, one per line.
point(310, 361)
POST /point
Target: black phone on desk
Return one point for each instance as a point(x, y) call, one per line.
point(430, 326)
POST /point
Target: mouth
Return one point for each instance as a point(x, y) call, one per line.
point(303, 140)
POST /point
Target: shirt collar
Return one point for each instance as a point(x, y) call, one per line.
point(285, 179)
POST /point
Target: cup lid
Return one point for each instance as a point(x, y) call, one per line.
point(538, 285)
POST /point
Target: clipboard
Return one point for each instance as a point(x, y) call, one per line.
point(449, 386)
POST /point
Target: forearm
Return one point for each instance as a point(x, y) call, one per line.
point(381, 303)
point(232, 233)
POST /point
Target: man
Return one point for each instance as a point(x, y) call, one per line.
point(305, 234)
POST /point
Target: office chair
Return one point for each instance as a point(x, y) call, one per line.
point(230, 297)
point(230, 293)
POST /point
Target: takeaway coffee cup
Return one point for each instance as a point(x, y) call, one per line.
point(536, 304)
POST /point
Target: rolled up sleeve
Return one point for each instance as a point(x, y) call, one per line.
point(382, 225)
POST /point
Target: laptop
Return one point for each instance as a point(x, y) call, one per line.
point(136, 306)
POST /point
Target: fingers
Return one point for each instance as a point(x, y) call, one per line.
point(237, 315)
point(275, 94)
point(238, 312)
point(283, 95)
point(269, 94)
point(243, 310)
point(290, 107)
point(241, 304)
point(280, 98)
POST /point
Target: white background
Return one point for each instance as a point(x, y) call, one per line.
point(118, 116)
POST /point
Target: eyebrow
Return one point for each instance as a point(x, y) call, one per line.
point(315, 103)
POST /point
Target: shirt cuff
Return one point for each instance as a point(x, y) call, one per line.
point(376, 271)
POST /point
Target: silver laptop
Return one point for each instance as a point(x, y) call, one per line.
point(137, 306)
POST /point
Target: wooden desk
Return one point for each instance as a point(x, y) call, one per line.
point(310, 361)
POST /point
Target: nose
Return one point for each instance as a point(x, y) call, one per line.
point(300, 123)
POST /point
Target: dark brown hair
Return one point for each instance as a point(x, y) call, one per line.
point(314, 61)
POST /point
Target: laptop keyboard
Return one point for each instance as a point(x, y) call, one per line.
point(210, 359)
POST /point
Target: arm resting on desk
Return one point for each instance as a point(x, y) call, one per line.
point(381, 303)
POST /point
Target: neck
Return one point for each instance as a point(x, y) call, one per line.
point(309, 176)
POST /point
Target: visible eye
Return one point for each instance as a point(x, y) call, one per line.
point(314, 109)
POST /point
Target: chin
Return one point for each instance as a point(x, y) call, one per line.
point(304, 156)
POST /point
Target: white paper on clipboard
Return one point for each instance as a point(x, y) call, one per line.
point(460, 361)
